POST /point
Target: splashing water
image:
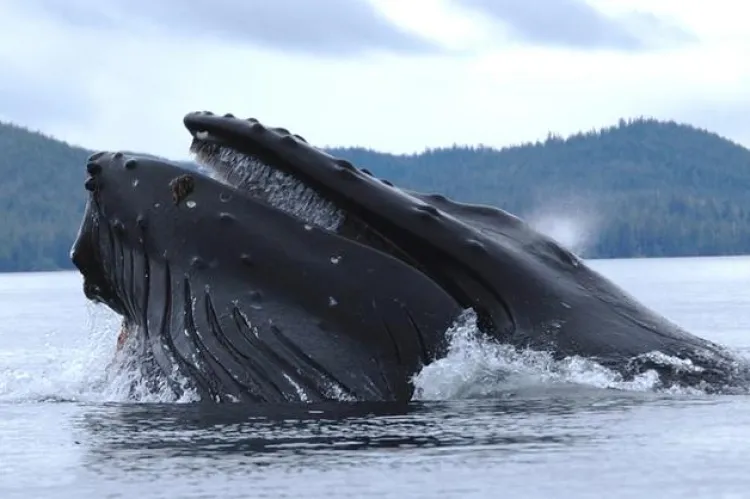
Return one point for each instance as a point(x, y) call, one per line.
point(571, 226)
point(88, 368)
point(90, 372)
point(474, 367)
point(477, 367)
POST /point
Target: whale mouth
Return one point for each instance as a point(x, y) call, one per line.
point(259, 173)
point(91, 254)
point(281, 169)
point(266, 182)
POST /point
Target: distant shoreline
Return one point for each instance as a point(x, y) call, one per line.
point(594, 260)
point(639, 189)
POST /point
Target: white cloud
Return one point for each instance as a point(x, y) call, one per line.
point(124, 79)
point(577, 24)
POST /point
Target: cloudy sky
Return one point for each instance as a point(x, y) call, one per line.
point(394, 75)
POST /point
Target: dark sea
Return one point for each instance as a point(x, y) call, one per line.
point(487, 422)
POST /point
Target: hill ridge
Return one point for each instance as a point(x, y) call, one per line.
point(639, 187)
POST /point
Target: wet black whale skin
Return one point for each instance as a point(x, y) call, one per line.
point(254, 304)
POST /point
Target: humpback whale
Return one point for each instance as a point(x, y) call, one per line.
point(279, 273)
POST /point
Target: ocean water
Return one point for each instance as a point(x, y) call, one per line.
point(542, 429)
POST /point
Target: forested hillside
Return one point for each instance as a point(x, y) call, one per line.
point(640, 188)
point(41, 199)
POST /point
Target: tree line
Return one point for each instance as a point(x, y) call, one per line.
point(640, 188)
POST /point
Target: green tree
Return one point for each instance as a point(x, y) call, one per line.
point(657, 188)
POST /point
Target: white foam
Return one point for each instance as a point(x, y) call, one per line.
point(474, 367)
point(301, 394)
point(477, 367)
point(92, 372)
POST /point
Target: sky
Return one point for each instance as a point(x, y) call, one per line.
point(393, 75)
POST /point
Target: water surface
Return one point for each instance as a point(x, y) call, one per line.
point(564, 430)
